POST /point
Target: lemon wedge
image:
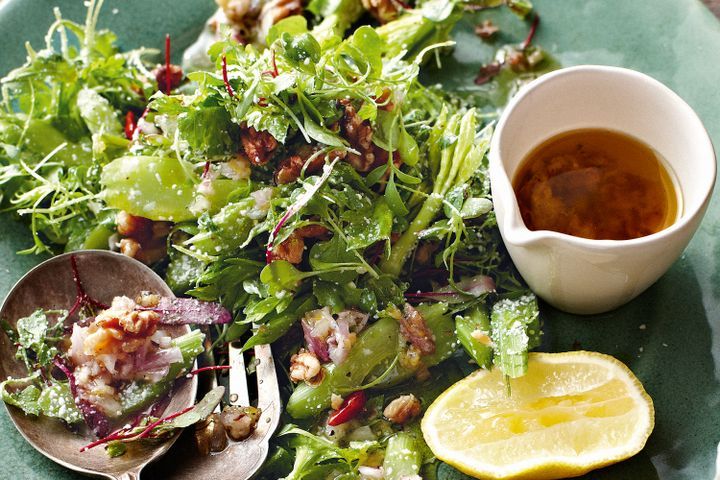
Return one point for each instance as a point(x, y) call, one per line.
point(571, 413)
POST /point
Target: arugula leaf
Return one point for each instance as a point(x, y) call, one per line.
point(293, 25)
point(362, 230)
point(207, 130)
point(327, 256)
point(387, 290)
point(37, 398)
point(339, 297)
point(26, 398)
point(302, 51)
point(57, 401)
point(35, 339)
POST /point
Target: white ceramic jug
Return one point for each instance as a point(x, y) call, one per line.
point(576, 274)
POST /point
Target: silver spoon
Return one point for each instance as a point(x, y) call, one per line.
point(50, 285)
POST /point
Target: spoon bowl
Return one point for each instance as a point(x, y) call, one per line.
point(50, 285)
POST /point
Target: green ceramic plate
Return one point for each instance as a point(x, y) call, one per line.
point(669, 336)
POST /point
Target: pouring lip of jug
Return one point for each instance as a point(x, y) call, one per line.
point(592, 96)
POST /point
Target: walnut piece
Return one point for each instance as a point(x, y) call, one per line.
point(402, 409)
point(305, 367)
point(290, 167)
point(145, 240)
point(291, 250)
point(358, 133)
point(132, 225)
point(237, 10)
point(258, 146)
point(416, 331)
point(239, 422)
point(130, 247)
point(123, 315)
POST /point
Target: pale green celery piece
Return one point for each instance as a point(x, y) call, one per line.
point(402, 457)
point(515, 325)
point(158, 188)
point(475, 320)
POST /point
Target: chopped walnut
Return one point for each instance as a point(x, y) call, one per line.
point(384, 101)
point(312, 231)
point(130, 247)
point(132, 225)
point(358, 133)
point(258, 146)
point(488, 72)
point(123, 315)
point(291, 250)
point(517, 60)
point(305, 367)
point(145, 240)
point(402, 409)
point(383, 10)
point(336, 401)
point(290, 167)
point(423, 254)
point(416, 331)
point(486, 29)
point(239, 422)
point(210, 435)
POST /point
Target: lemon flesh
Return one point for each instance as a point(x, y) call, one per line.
point(573, 412)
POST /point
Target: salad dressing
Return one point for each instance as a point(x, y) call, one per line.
point(598, 184)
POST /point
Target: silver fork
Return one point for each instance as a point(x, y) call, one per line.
point(242, 459)
point(252, 452)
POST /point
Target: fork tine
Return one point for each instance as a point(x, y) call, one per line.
point(238, 386)
point(268, 390)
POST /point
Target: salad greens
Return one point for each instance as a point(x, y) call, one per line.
point(313, 179)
